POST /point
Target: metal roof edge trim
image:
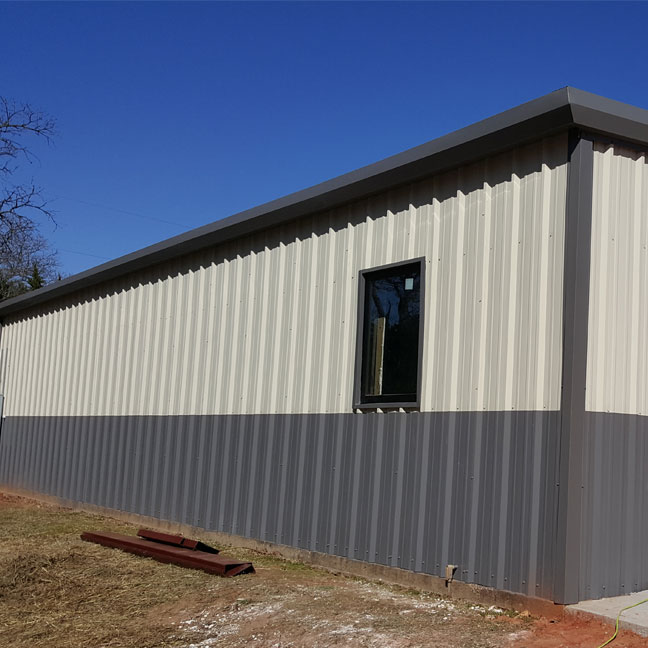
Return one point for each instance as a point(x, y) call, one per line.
point(551, 113)
point(608, 117)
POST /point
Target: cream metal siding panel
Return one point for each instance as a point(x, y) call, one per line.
point(266, 324)
point(617, 355)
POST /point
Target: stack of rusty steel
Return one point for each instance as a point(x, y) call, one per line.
point(174, 549)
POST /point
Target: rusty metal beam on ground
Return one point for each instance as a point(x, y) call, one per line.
point(176, 540)
point(175, 555)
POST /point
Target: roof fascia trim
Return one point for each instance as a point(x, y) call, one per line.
point(600, 115)
point(535, 119)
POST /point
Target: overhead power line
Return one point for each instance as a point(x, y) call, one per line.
point(94, 256)
point(127, 212)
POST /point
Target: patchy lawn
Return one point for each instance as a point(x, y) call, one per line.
point(60, 592)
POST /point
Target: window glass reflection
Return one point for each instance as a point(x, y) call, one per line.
point(391, 334)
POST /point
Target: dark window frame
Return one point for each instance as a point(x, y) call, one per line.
point(358, 403)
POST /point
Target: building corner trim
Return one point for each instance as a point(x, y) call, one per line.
point(578, 229)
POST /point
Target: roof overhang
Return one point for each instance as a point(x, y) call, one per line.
point(558, 111)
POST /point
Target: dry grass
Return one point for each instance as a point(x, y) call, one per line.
point(60, 592)
point(56, 590)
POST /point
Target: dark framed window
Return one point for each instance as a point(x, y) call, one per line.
point(390, 336)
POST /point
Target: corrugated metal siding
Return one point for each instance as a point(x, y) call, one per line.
point(614, 522)
point(267, 324)
point(614, 559)
point(617, 357)
point(416, 491)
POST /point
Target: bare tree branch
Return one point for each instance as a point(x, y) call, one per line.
point(25, 257)
point(16, 121)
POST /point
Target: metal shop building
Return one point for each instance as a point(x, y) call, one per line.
point(440, 358)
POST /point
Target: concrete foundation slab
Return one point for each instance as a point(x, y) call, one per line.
point(607, 609)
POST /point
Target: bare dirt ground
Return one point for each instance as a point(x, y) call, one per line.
point(60, 592)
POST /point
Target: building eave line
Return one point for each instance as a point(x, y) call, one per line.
point(553, 113)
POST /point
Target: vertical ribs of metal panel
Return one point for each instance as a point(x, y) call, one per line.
point(614, 560)
point(615, 515)
point(415, 491)
point(617, 372)
point(575, 324)
point(266, 324)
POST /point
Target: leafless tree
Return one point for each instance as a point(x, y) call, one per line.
point(24, 252)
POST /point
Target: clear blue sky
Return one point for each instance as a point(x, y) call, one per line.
point(188, 113)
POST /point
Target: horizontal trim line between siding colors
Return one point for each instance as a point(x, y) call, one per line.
point(416, 491)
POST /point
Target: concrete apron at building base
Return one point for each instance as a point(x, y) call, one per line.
point(607, 610)
point(467, 592)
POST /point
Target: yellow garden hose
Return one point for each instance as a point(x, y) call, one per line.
point(616, 630)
